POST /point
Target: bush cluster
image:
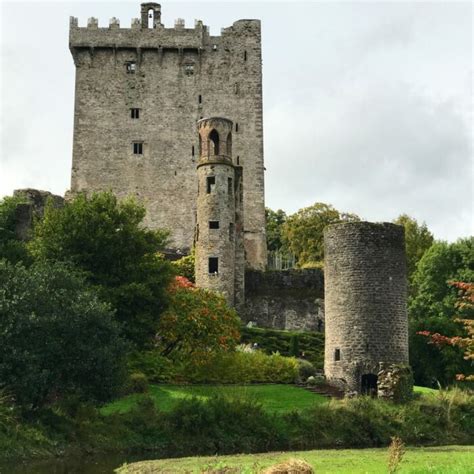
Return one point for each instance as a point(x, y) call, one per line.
point(311, 344)
point(224, 368)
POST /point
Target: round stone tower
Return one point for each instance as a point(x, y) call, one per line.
point(366, 319)
point(216, 211)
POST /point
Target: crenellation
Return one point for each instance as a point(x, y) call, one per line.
point(114, 23)
point(92, 22)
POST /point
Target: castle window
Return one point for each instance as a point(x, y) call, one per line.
point(131, 67)
point(213, 265)
point(231, 232)
point(337, 354)
point(236, 127)
point(229, 144)
point(238, 160)
point(135, 113)
point(214, 142)
point(138, 148)
point(211, 184)
point(200, 99)
point(151, 22)
point(189, 69)
point(192, 150)
point(229, 186)
point(213, 224)
point(245, 55)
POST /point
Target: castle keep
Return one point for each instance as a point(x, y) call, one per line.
point(139, 93)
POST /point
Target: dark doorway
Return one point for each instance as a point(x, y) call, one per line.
point(369, 385)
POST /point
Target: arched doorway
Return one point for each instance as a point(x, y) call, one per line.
point(369, 385)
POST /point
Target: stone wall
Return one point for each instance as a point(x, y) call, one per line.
point(365, 302)
point(31, 209)
point(288, 299)
point(179, 76)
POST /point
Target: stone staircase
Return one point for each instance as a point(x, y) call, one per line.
point(325, 390)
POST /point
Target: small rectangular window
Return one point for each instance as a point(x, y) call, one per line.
point(229, 186)
point(211, 184)
point(135, 113)
point(245, 55)
point(213, 224)
point(236, 127)
point(337, 354)
point(200, 99)
point(131, 67)
point(231, 231)
point(138, 148)
point(192, 150)
point(213, 265)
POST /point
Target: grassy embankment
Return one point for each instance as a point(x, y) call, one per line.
point(440, 460)
point(273, 398)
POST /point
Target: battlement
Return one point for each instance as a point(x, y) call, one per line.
point(148, 32)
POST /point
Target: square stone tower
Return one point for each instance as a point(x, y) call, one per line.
point(139, 94)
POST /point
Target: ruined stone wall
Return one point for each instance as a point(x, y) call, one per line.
point(33, 208)
point(288, 299)
point(181, 75)
point(365, 300)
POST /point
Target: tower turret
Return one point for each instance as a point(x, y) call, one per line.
point(215, 237)
point(365, 304)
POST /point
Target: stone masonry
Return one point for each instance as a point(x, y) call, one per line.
point(365, 303)
point(220, 261)
point(138, 95)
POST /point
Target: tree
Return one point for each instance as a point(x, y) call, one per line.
point(303, 231)
point(433, 308)
point(185, 266)
point(105, 239)
point(11, 247)
point(418, 239)
point(57, 337)
point(274, 223)
point(197, 324)
point(465, 317)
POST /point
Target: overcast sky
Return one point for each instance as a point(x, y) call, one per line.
point(367, 106)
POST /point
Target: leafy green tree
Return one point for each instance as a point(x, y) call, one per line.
point(274, 223)
point(105, 239)
point(11, 247)
point(433, 307)
point(418, 239)
point(197, 324)
point(57, 337)
point(185, 266)
point(302, 232)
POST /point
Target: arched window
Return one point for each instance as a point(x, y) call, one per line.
point(214, 143)
point(229, 144)
point(151, 15)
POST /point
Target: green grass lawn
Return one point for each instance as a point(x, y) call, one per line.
point(439, 460)
point(274, 398)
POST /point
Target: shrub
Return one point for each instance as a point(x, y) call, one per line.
point(197, 324)
point(272, 340)
point(185, 266)
point(243, 367)
point(57, 337)
point(137, 383)
point(11, 247)
point(157, 369)
point(306, 369)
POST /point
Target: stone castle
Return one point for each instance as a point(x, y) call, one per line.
point(139, 93)
point(174, 117)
